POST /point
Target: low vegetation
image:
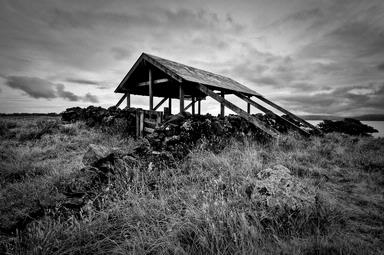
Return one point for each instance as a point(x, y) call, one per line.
point(321, 195)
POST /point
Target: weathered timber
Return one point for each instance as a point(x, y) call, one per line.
point(160, 103)
point(287, 112)
point(193, 105)
point(181, 97)
point(170, 105)
point(265, 110)
point(258, 124)
point(222, 113)
point(121, 100)
point(158, 81)
point(128, 100)
point(150, 89)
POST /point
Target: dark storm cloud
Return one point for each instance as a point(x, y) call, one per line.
point(61, 92)
point(40, 88)
point(33, 86)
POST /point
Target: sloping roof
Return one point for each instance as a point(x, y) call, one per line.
point(187, 73)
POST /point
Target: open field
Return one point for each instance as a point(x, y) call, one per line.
point(323, 195)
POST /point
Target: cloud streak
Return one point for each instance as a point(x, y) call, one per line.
point(42, 89)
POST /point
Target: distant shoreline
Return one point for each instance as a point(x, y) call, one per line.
point(367, 117)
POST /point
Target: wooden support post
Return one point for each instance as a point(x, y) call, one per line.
point(128, 100)
point(150, 81)
point(160, 103)
point(265, 110)
point(248, 107)
point(170, 105)
point(222, 105)
point(181, 97)
point(193, 105)
point(199, 107)
point(141, 126)
point(257, 123)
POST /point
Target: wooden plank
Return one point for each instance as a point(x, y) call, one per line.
point(160, 103)
point(162, 68)
point(248, 107)
point(121, 100)
point(288, 113)
point(193, 105)
point(150, 89)
point(170, 105)
point(148, 130)
point(265, 110)
point(158, 81)
point(150, 123)
point(141, 124)
point(199, 107)
point(222, 113)
point(188, 106)
point(181, 97)
point(128, 100)
point(237, 110)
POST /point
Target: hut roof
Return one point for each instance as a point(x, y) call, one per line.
point(182, 73)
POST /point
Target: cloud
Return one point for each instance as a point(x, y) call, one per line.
point(90, 98)
point(61, 92)
point(40, 88)
point(381, 67)
point(82, 81)
point(87, 82)
point(345, 100)
point(32, 86)
point(120, 53)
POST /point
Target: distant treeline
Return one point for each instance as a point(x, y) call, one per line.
point(21, 114)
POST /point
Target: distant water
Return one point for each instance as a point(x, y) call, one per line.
point(378, 125)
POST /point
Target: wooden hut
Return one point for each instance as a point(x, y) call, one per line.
point(153, 76)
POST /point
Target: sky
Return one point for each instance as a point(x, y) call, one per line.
point(310, 56)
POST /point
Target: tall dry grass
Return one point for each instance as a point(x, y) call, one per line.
point(202, 205)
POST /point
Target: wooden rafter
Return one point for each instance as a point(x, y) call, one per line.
point(287, 112)
point(257, 123)
point(265, 110)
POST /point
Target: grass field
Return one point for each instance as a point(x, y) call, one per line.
point(290, 196)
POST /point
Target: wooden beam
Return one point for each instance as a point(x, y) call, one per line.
point(193, 105)
point(181, 97)
point(199, 107)
point(121, 100)
point(188, 106)
point(170, 105)
point(150, 89)
point(158, 81)
point(160, 103)
point(222, 106)
point(128, 100)
point(265, 110)
point(248, 107)
point(257, 123)
point(287, 112)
